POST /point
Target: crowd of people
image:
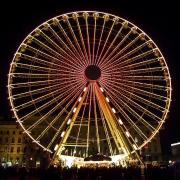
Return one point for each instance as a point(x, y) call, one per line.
point(96, 173)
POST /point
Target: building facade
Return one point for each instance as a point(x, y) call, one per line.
point(12, 143)
point(16, 148)
point(152, 151)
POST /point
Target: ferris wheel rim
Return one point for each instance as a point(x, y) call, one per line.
point(156, 47)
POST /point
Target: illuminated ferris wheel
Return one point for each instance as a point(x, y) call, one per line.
point(87, 82)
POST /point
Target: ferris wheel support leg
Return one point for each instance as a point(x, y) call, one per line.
point(120, 140)
point(109, 116)
point(68, 130)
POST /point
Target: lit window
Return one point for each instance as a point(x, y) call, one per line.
point(12, 149)
point(19, 140)
point(18, 149)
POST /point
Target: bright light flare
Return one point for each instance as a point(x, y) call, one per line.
point(134, 146)
point(62, 134)
point(74, 110)
point(107, 99)
point(56, 147)
point(127, 134)
point(121, 123)
point(102, 90)
point(114, 111)
point(69, 121)
point(79, 99)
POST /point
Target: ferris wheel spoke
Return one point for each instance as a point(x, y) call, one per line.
point(65, 134)
point(96, 121)
point(140, 47)
point(138, 84)
point(39, 83)
point(39, 99)
point(68, 39)
point(94, 37)
point(54, 100)
point(49, 41)
point(147, 62)
point(63, 123)
point(70, 97)
point(48, 71)
point(115, 49)
point(139, 108)
point(118, 62)
point(61, 50)
point(75, 39)
point(131, 43)
point(37, 68)
point(129, 90)
point(146, 78)
point(139, 71)
point(85, 15)
point(123, 95)
point(41, 90)
point(59, 39)
point(144, 71)
point(105, 43)
point(100, 39)
point(52, 57)
point(112, 43)
point(34, 92)
point(39, 61)
point(81, 38)
point(144, 101)
point(55, 53)
point(43, 76)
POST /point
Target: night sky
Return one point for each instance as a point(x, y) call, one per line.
point(161, 21)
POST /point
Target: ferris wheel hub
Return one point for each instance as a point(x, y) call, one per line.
point(92, 72)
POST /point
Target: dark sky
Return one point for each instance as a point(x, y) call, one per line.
point(160, 19)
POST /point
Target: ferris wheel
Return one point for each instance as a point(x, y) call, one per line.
point(86, 82)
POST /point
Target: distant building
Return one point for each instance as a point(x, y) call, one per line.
point(16, 148)
point(175, 148)
point(152, 151)
point(12, 143)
